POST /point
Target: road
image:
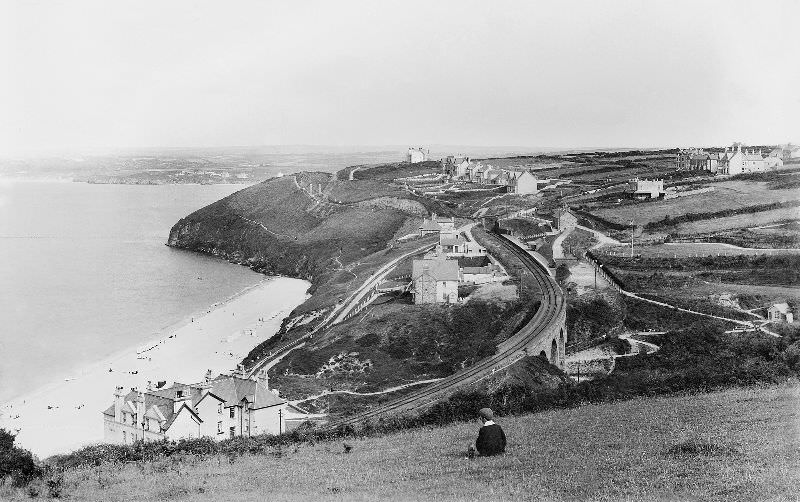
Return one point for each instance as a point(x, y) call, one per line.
point(550, 315)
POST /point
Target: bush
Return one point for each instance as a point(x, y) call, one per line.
point(16, 463)
point(562, 273)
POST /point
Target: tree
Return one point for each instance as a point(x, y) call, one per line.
point(562, 272)
point(16, 463)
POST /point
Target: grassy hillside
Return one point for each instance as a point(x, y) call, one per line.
point(305, 225)
point(739, 444)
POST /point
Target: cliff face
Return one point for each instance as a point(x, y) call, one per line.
point(289, 226)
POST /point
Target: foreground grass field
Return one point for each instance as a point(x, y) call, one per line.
point(741, 444)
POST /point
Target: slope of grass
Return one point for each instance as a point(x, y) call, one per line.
point(738, 444)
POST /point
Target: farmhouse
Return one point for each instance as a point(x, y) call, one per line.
point(435, 281)
point(646, 189)
point(220, 408)
point(416, 155)
point(780, 312)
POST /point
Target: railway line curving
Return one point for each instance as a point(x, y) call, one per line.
point(544, 334)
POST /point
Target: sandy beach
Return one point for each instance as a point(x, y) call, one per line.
point(67, 414)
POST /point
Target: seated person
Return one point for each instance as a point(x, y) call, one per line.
point(491, 438)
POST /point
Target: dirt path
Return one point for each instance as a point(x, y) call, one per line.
point(353, 393)
point(558, 249)
point(602, 239)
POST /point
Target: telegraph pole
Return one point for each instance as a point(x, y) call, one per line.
point(632, 228)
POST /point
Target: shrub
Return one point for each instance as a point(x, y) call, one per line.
point(16, 463)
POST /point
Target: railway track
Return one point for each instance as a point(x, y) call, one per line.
point(549, 317)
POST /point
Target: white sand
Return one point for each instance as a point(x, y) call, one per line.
point(216, 339)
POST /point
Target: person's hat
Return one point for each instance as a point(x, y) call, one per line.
point(486, 413)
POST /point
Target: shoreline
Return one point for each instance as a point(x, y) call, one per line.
point(161, 336)
point(65, 414)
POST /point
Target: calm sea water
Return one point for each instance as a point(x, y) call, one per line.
point(84, 273)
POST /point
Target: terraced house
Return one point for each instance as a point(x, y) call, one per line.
point(221, 407)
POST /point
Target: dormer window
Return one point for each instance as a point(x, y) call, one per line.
point(179, 394)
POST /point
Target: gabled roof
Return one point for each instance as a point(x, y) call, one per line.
point(783, 308)
point(429, 225)
point(229, 389)
point(438, 270)
point(234, 389)
point(174, 416)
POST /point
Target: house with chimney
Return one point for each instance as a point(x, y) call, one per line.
point(456, 166)
point(738, 161)
point(435, 280)
point(219, 407)
point(455, 244)
point(416, 155)
point(436, 224)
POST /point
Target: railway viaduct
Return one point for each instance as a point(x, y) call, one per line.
point(544, 335)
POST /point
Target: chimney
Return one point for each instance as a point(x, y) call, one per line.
point(239, 371)
point(119, 400)
point(263, 379)
point(149, 386)
point(182, 395)
point(209, 376)
point(139, 410)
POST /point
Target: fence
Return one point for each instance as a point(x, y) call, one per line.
point(602, 272)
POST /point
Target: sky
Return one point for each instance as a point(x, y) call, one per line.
point(82, 75)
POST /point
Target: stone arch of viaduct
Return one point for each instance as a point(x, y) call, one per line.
point(551, 345)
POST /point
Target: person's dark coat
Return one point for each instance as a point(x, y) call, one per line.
point(491, 440)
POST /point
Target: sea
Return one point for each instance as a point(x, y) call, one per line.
point(84, 273)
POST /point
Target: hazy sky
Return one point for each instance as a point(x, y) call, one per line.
point(80, 74)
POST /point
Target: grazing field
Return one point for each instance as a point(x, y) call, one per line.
point(734, 445)
point(726, 195)
point(740, 221)
point(687, 249)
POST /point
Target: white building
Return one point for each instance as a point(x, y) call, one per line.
point(736, 161)
point(524, 183)
point(220, 408)
point(646, 189)
point(416, 155)
point(780, 312)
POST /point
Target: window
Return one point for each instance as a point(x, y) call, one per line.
point(124, 437)
point(133, 419)
point(219, 427)
point(219, 408)
point(233, 411)
point(147, 423)
point(233, 432)
point(179, 393)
